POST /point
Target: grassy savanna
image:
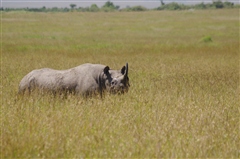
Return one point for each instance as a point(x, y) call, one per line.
point(184, 76)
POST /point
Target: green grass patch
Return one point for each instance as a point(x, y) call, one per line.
point(206, 39)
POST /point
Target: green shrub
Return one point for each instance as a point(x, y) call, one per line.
point(109, 6)
point(206, 39)
point(173, 6)
point(200, 6)
point(94, 8)
point(228, 5)
point(138, 8)
point(218, 4)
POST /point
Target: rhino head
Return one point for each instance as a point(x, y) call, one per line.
point(117, 81)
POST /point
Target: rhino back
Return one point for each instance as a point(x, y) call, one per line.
point(88, 75)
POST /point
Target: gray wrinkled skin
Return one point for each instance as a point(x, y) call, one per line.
point(86, 79)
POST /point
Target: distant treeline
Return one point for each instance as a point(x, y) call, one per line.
point(109, 7)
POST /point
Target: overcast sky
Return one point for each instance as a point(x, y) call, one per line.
point(85, 3)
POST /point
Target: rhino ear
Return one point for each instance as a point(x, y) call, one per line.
point(126, 69)
point(106, 70)
point(123, 70)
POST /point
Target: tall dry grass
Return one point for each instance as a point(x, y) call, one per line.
point(184, 94)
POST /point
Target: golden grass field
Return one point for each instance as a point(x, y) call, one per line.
point(184, 96)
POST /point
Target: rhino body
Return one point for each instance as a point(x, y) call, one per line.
point(85, 79)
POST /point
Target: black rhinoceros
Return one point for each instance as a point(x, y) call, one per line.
point(86, 79)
